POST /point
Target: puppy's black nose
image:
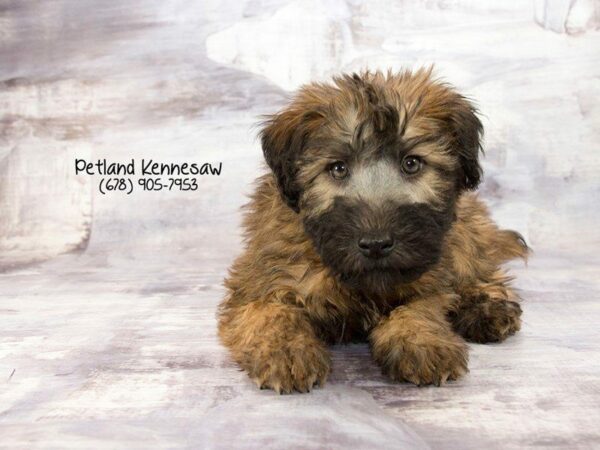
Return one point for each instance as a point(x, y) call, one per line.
point(376, 246)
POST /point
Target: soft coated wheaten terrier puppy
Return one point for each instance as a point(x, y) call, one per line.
point(365, 229)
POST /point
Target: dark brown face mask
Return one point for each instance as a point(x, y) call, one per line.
point(376, 248)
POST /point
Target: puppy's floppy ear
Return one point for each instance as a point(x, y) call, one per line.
point(283, 137)
point(467, 131)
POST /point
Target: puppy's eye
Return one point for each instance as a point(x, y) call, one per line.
point(411, 165)
point(338, 170)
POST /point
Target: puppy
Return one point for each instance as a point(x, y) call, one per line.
point(365, 229)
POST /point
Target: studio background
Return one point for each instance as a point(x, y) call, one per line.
point(108, 302)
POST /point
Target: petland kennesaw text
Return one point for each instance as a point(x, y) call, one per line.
point(147, 166)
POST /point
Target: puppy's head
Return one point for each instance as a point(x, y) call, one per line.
point(373, 164)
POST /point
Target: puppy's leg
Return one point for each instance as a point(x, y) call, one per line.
point(487, 311)
point(276, 345)
point(417, 344)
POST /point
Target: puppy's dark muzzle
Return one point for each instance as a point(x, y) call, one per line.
point(376, 246)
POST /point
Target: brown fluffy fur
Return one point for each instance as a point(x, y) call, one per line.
point(284, 304)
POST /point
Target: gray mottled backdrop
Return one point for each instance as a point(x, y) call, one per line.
point(107, 302)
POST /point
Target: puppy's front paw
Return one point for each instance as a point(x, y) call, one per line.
point(433, 362)
point(422, 359)
point(291, 368)
point(484, 319)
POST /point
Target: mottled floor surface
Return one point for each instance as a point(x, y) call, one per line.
point(114, 344)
